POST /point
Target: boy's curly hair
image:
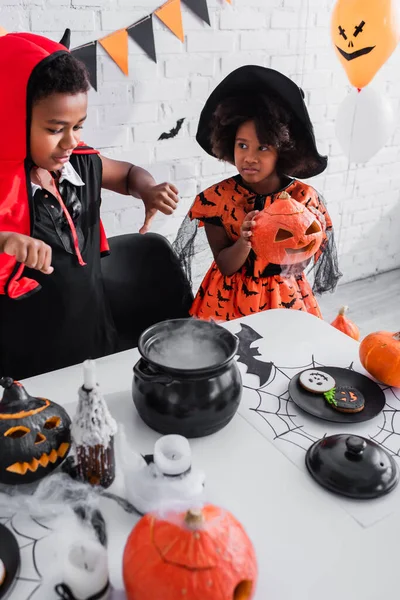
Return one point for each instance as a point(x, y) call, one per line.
point(63, 74)
point(274, 126)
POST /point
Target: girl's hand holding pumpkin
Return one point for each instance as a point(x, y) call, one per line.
point(247, 226)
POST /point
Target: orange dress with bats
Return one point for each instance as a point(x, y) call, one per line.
point(257, 286)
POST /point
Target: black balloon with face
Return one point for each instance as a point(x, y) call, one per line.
point(35, 435)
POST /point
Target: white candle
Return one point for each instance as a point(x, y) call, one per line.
point(172, 454)
point(89, 375)
point(86, 570)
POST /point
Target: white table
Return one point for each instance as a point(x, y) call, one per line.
point(308, 546)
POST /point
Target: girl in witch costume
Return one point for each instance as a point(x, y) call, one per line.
point(53, 310)
point(257, 120)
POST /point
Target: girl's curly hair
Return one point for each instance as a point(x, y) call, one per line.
point(274, 126)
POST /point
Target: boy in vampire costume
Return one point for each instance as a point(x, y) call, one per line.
point(53, 307)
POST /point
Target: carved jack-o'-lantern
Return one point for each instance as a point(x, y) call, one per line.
point(34, 435)
point(364, 33)
point(286, 232)
point(200, 555)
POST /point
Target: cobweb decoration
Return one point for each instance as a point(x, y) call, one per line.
point(44, 525)
point(278, 410)
point(283, 421)
point(28, 532)
point(389, 433)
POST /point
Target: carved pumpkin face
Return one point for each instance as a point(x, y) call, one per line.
point(197, 556)
point(286, 233)
point(34, 435)
point(364, 33)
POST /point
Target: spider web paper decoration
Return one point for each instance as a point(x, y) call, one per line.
point(270, 410)
point(280, 412)
point(283, 421)
point(28, 532)
point(389, 433)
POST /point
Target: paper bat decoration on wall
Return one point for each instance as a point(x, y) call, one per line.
point(246, 354)
point(173, 132)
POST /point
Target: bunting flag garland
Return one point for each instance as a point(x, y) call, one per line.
point(116, 43)
point(200, 8)
point(142, 33)
point(88, 55)
point(170, 14)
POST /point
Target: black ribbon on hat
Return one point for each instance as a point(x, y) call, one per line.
point(64, 592)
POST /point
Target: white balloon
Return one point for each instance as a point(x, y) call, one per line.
point(364, 123)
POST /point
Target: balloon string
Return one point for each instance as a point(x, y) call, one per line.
point(347, 196)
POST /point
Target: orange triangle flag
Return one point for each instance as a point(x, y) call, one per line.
point(170, 14)
point(3, 31)
point(116, 45)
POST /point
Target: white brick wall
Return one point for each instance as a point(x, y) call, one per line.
point(128, 114)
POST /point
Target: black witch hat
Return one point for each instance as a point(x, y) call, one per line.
point(255, 79)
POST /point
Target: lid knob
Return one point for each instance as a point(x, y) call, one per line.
point(355, 445)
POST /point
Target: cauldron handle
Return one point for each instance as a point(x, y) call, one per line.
point(144, 372)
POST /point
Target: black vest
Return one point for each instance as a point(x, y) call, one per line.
point(68, 319)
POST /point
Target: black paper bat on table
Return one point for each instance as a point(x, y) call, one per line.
point(173, 132)
point(246, 354)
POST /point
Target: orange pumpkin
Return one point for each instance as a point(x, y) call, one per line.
point(380, 356)
point(286, 232)
point(198, 555)
point(343, 324)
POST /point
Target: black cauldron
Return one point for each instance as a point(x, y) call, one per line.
point(187, 381)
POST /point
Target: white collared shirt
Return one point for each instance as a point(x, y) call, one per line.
point(68, 173)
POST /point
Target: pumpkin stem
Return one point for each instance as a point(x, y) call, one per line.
point(194, 518)
point(343, 310)
point(6, 382)
point(397, 336)
point(284, 196)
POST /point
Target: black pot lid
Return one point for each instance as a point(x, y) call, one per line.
point(352, 466)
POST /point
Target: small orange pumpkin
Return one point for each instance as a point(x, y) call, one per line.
point(343, 324)
point(286, 232)
point(197, 555)
point(380, 356)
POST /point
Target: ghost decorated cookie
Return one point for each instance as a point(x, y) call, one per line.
point(317, 382)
